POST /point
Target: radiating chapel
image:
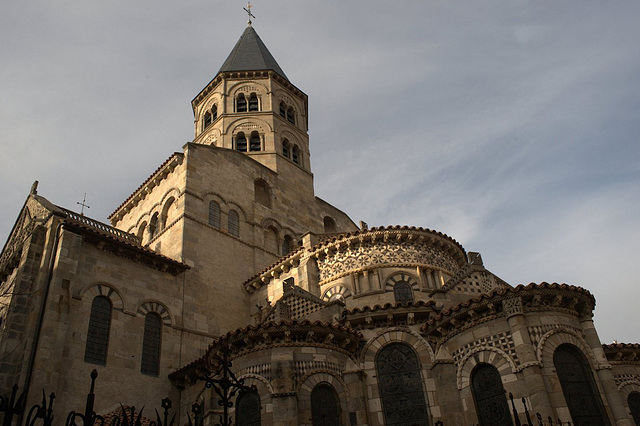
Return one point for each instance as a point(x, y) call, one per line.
point(224, 251)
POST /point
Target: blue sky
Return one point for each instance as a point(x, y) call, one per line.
point(510, 125)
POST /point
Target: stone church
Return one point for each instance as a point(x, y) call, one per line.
point(224, 252)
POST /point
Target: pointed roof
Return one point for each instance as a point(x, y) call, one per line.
point(251, 54)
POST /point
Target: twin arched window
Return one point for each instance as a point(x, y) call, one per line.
point(291, 151)
point(98, 333)
point(210, 117)
point(288, 114)
point(255, 143)
point(242, 102)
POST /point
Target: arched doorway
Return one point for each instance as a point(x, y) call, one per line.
point(325, 406)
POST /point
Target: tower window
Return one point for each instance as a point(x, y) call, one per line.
point(214, 113)
point(254, 143)
point(253, 102)
point(241, 142)
point(98, 334)
point(295, 155)
point(283, 110)
point(287, 245)
point(207, 120)
point(242, 103)
point(285, 148)
point(291, 117)
point(153, 226)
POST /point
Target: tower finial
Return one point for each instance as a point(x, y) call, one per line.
point(248, 10)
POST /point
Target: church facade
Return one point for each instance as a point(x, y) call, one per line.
point(224, 252)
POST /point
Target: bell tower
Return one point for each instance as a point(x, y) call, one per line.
point(251, 106)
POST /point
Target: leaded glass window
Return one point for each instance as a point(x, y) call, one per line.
point(578, 387)
point(98, 332)
point(234, 223)
point(489, 396)
point(214, 214)
point(403, 292)
point(325, 406)
point(634, 406)
point(400, 384)
point(248, 409)
point(151, 344)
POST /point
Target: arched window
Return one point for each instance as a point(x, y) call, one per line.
point(241, 103)
point(329, 225)
point(141, 229)
point(489, 396)
point(291, 116)
point(579, 389)
point(262, 192)
point(271, 239)
point(248, 409)
point(295, 155)
point(254, 142)
point(214, 113)
point(151, 343)
point(241, 142)
point(253, 102)
point(234, 223)
point(400, 384)
point(98, 333)
point(285, 148)
point(287, 245)
point(214, 214)
point(165, 212)
point(325, 406)
point(283, 110)
point(634, 406)
point(207, 120)
point(153, 226)
point(403, 292)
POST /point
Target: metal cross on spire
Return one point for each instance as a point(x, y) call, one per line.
point(84, 199)
point(248, 10)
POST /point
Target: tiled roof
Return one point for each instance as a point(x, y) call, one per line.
point(250, 54)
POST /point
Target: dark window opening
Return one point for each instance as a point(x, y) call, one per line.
point(578, 386)
point(295, 155)
point(248, 409)
point(242, 103)
point(285, 148)
point(634, 406)
point(291, 118)
point(241, 142)
point(287, 245)
point(253, 102)
point(254, 143)
point(490, 396)
point(283, 111)
point(98, 332)
point(151, 343)
point(403, 292)
point(325, 405)
point(214, 113)
point(207, 120)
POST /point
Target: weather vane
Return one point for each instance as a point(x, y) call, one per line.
point(248, 10)
point(83, 204)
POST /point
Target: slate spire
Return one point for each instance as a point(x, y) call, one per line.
point(251, 54)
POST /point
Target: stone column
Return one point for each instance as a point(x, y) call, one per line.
point(617, 404)
point(531, 369)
